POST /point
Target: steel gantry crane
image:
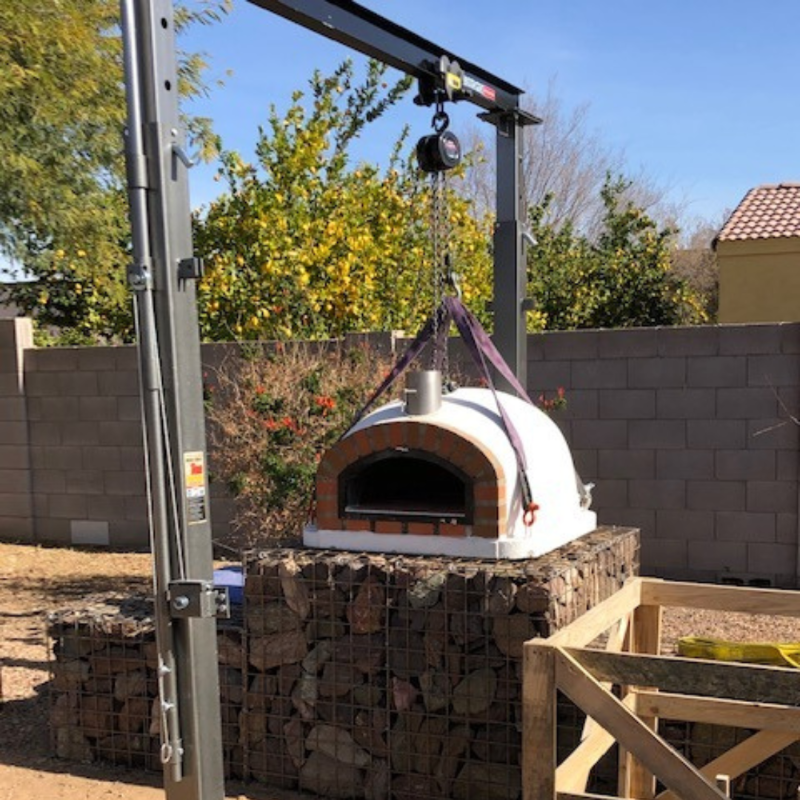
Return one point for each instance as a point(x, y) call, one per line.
point(162, 276)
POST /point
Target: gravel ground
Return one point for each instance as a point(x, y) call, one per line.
point(35, 580)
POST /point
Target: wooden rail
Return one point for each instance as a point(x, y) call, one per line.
point(761, 698)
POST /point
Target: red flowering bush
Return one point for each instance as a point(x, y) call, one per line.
point(555, 403)
point(271, 414)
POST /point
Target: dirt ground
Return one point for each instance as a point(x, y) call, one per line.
point(35, 580)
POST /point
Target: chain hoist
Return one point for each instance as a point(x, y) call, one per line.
point(436, 154)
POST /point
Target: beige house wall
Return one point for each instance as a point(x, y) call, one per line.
point(759, 280)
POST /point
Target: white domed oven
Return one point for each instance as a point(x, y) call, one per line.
point(447, 482)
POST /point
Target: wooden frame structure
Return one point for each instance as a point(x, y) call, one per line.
point(763, 698)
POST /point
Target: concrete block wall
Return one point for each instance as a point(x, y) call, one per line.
point(688, 434)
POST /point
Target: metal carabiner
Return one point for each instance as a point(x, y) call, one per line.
point(440, 121)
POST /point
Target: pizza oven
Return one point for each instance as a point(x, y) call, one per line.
point(438, 475)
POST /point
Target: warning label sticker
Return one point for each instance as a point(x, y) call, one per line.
point(194, 481)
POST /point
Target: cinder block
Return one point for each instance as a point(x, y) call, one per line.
point(132, 459)
point(747, 339)
point(15, 505)
point(136, 509)
point(101, 458)
point(10, 384)
point(716, 495)
point(60, 409)
point(585, 463)
point(16, 529)
point(773, 496)
point(53, 359)
point(717, 371)
point(12, 409)
point(119, 383)
point(14, 457)
point(663, 554)
point(67, 506)
point(790, 337)
point(629, 343)
point(786, 530)
point(96, 359)
point(657, 434)
point(657, 373)
point(599, 374)
point(773, 370)
point(52, 457)
point(547, 376)
point(678, 523)
point(77, 384)
point(629, 404)
point(568, 345)
point(642, 518)
point(49, 481)
point(626, 464)
point(14, 481)
point(14, 433)
point(787, 466)
point(685, 464)
point(728, 434)
point(657, 494)
point(745, 526)
point(696, 341)
point(686, 403)
point(748, 465)
point(129, 409)
point(772, 559)
point(106, 507)
point(582, 404)
point(80, 433)
point(599, 434)
point(718, 557)
point(121, 434)
point(127, 357)
point(772, 434)
point(124, 483)
point(130, 536)
point(98, 409)
point(41, 384)
point(41, 506)
point(85, 481)
point(52, 531)
point(610, 493)
point(751, 403)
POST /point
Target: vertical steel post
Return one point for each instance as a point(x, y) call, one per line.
point(172, 402)
point(510, 273)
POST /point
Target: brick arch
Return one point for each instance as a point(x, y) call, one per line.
point(484, 471)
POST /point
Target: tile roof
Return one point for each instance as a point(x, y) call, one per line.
point(767, 212)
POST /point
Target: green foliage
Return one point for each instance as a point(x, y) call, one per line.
point(63, 210)
point(271, 416)
point(306, 244)
point(623, 279)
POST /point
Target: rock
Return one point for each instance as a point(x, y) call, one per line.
point(287, 676)
point(69, 675)
point(325, 629)
point(455, 745)
point(466, 628)
point(304, 696)
point(72, 645)
point(413, 787)
point(532, 599)
point(403, 694)
point(132, 717)
point(369, 730)
point(329, 778)
point(338, 744)
point(271, 763)
point(155, 718)
point(262, 689)
point(406, 653)
point(113, 659)
point(329, 603)
point(501, 596)
point(475, 693)
point(427, 743)
point(276, 649)
point(376, 786)
point(339, 679)
point(230, 685)
point(229, 646)
point(497, 742)
point(318, 656)
point(72, 745)
point(426, 592)
point(129, 684)
point(368, 695)
point(295, 741)
point(478, 781)
point(65, 710)
point(366, 653)
point(366, 612)
point(511, 632)
point(435, 690)
point(272, 618)
point(294, 588)
point(95, 715)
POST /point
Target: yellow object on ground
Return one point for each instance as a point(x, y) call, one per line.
point(777, 653)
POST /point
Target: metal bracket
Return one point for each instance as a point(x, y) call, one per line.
point(188, 599)
point(190, 269)
point(140, 275)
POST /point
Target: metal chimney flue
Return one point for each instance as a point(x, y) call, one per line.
point(423, 392)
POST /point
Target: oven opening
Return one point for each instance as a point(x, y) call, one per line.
point(408, 486)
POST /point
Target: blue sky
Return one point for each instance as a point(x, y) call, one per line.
point(700, 95)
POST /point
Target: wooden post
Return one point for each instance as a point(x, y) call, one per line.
point(634, 779)
point(538, 722)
